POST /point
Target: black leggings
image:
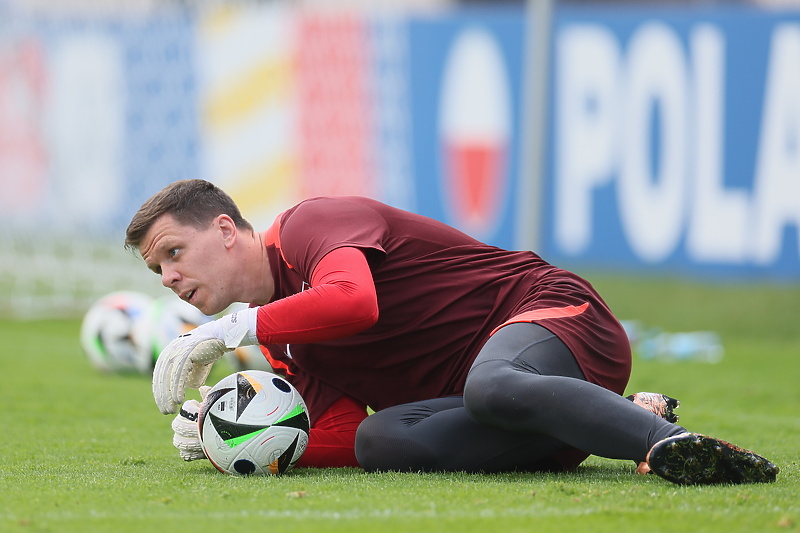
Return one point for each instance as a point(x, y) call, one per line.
point(525, 400)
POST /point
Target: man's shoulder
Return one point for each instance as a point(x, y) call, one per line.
point(325, 201)
point(325, 209)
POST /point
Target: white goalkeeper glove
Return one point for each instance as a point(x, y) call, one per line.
point(187, 360)
point(187, 432)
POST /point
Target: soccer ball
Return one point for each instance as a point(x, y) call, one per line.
point(107, 331)
point(165, 319)
point(253, 423)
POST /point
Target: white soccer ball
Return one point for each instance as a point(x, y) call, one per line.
point(165, 319)
point(107, 331)
point(253, 423)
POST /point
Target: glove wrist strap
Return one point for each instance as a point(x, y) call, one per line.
point(239, 329)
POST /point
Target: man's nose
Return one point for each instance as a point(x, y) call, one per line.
point(169, 277)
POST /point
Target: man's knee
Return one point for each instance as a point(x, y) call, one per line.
point(368, 444)
point(492, 395)
point(384, 443)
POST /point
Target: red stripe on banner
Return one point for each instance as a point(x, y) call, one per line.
point(334, 106)
point(23, 156)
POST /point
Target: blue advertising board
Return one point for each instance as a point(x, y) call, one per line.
point(162, 118)
point(465, 78)
point(675, 141)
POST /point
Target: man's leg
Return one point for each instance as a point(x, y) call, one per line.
point(527, 404)
point(439, 435)
point(517, 383)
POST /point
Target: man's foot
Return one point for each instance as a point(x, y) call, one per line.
point(694, 459)
point(657, 403)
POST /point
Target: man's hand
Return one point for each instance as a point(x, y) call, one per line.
point(187, 432)
point(187, 360)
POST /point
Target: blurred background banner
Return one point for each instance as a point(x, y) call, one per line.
point(249, 105)
point(94, 116)
point(465, 75)
point(675, 138)
point(671, 140)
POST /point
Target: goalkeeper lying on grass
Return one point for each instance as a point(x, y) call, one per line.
point(474, 358)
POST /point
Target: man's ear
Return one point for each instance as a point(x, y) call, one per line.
point(227, 228)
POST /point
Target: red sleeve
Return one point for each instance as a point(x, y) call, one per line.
point(333, 437)
point(341, 302)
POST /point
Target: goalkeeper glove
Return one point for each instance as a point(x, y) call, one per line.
point(187, 360)
point(187, 432)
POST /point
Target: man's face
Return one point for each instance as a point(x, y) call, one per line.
point(192, 262)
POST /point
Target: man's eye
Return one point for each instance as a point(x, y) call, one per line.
point(173, 252)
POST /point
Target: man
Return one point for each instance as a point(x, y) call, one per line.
point(473, 357)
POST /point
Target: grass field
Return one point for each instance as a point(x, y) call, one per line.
point(88, 452)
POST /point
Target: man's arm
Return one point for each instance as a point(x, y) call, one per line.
point(341, 302)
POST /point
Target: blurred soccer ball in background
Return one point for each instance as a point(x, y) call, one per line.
point(253, 423)
point(107, 331)
point(126, 331)
point(166, 318)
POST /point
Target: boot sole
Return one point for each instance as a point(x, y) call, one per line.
point(693, 459)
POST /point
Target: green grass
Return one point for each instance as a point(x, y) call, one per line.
point(81, 451)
